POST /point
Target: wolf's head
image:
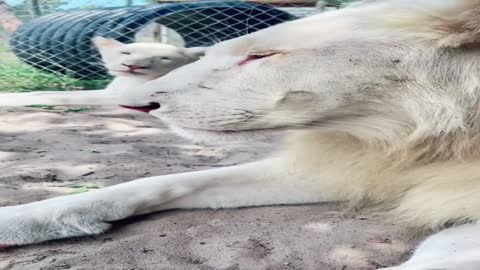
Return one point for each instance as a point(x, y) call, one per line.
point(388, 71)
point(151, 60)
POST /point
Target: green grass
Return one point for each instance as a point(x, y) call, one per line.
point(76, 109)
point(42, 106)
point(51, 107)
point(81, 188)
point(19, 77)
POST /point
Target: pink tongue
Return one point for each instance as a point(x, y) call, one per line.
point(133, 67)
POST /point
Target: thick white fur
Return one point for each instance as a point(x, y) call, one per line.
point(382, 112)
point(159, 59)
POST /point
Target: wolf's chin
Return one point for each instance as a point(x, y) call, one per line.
point(219, 137)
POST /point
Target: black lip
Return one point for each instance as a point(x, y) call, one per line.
point(129, 72)
point(150, 107)
point(139, 67)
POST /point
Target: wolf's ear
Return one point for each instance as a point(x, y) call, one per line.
point(447, 24)
point(460, 27)
point(196, 52)
point(101, 42)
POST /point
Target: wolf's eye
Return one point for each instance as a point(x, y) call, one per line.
point(126, 53)
point(166, 58)
point(256, 56)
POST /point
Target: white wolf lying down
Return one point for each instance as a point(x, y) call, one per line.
point(382, 101)
point(131, 64)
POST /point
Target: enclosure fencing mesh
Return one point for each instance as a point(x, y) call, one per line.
point(46, 44)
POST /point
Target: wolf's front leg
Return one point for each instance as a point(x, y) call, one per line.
point(86, 97)
point(265, 182)
point(457, 248)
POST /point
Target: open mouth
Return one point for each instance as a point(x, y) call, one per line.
point(150, 107)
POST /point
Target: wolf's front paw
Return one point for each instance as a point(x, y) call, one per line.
point(54, 219)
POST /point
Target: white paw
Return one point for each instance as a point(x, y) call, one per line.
point(54, 219)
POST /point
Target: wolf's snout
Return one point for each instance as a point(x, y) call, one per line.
point(150, 107)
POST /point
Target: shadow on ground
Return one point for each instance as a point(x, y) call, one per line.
point(46, 153)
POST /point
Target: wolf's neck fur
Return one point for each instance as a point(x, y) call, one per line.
point(368, 176)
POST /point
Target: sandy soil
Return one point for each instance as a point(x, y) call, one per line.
point(45, 153)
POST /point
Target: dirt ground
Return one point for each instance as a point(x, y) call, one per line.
point(46, 153)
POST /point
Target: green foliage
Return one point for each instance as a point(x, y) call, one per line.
point(81, 188)
point(42, 106)
point(19, 77)
point(51, 107)
point(50, 5)
point(27, 10)
point(77, 109)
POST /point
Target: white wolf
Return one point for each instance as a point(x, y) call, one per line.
point(131, 64)
point(383, 103)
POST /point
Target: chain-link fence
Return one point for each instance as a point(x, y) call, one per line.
point(46, 44)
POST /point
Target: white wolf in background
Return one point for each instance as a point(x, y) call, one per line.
point(383, 103)
point(131, 64)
